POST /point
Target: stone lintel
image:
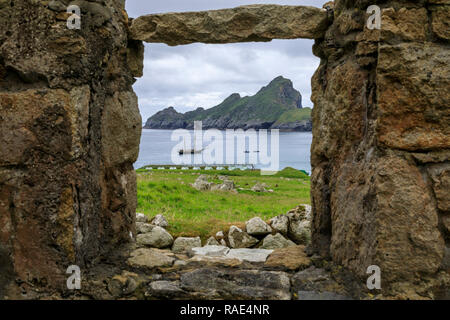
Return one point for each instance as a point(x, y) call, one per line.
point(250, 23)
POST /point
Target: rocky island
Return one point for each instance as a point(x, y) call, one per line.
point(276, 106)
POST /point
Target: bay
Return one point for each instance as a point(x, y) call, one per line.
point(156, 148)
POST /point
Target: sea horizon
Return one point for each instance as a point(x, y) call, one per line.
point(156, 148)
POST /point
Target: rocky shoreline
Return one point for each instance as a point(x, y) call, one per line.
point(301, 126)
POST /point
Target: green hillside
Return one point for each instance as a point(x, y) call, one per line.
point(276, 106)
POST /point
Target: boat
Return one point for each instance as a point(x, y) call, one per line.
point(189, 151)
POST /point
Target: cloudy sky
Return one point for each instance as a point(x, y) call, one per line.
point(203, 75)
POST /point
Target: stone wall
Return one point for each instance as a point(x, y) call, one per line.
point(381, 145)
point(70, 129)
point(69, 134)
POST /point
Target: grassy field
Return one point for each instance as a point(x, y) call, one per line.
point(192, 213)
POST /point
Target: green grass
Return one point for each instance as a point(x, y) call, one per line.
point(203, 213)
point(295, 115)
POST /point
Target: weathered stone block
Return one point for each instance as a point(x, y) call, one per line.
point(413, 96)
point(241, 24)
point(416, 243)
point(408, 24)
point(121, 129)
point(380, 148)
point(240, 284)
point(440, 176)
point(440, 21)
point(55, 121)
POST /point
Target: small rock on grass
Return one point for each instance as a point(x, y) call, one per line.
point(259, 188)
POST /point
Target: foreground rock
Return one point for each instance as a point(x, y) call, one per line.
point(246, 23)
point(241, 284)
point(202, 184)
point(257, 227)
point(124, 284)
point(276, 242)
point(157, 238)
point(300, 231)
point(250, 255)
point(280, 223)
point(201, 261)
point(315, 283)
point(240, 239)
point(183, 244)
point(317, 296)
point(149, 259)
point(211, 251)
point(288, 259)
point(165, 290)
point(299, 225)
